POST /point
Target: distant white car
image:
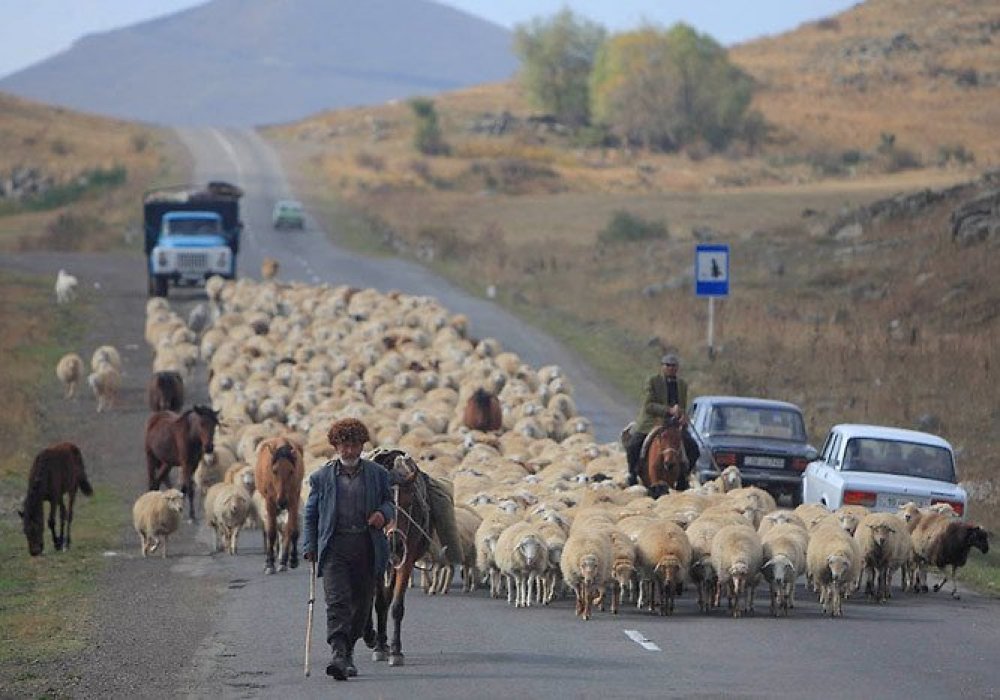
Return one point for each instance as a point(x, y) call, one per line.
point(288, 213)
point(883, 468)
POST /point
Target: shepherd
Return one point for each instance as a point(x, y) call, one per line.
point(349, 504)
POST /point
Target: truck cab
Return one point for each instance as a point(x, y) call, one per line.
point(192, 233)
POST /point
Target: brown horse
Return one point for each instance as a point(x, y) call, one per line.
point(179, 440)
point(278, 478)
point(57, 470)
point(409, 537)
point(165, 391)
point(665, 460)
point(483, 411)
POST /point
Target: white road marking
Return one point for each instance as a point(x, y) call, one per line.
point(640, 639)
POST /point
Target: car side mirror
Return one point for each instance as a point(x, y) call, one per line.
point(811, 454)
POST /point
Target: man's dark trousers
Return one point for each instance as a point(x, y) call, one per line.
point(348, 586)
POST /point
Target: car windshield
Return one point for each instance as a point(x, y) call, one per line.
point(193, 226)
point(289, 208)
point(896, 457)
point(757, 421)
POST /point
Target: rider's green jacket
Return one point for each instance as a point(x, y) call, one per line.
point(654, 407)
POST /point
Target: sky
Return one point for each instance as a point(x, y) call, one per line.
point(33, 30)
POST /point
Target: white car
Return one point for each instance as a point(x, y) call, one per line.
point(883, 468)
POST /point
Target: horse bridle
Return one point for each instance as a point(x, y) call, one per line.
point(410, 521)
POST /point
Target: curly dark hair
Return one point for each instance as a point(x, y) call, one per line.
point(347, 430)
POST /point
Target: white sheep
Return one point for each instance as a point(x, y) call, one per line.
point(521, 556)
point(885, 545)
point(65, 287)
point(833, 561)
point(105, 383)
point(663, 556)
point(738, 554)
point(226, 509)
point(105, 355)
point(586, 566)
point(785, 546)
point(69, 370)
point(155, 516)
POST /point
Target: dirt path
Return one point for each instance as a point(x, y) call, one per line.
point(157, 619)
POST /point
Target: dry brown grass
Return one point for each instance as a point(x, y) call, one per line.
point(821, 89)
point(63, 145)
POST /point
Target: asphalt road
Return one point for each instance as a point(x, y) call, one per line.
point(469, 645)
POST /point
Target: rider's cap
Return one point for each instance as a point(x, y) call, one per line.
point(670, 359)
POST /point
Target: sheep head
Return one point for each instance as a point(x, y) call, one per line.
point(531, 549)
point(839, 566)
point(880, 534)
point(778, 569)
point(977, 537)
point(589, 567)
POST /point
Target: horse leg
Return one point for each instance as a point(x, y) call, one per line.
point(398, 609)
point(187, 488)
point(292, 540)
point(382, 588)
point(270, 536)
point(69, 517)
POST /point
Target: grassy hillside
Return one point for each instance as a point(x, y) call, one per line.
point(926, 71)
point(89, 172)
point(887, 322)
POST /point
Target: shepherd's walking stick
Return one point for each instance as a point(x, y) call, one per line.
point(309, 617)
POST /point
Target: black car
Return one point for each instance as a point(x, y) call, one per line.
point(765, 439)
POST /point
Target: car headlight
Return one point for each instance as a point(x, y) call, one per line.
point(223, 259)
point(161, 258)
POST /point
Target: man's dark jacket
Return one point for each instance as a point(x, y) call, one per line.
point(321, 511)
point(655, 407)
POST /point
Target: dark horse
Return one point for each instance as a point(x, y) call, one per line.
point(665, 461)
point(409, 538)
point(483, 411)
point(57, 470)
point(165, 391)
point(179, 440)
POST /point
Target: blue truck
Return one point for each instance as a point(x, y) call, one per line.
point(191, 233)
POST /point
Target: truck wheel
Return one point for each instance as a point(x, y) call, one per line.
point(160, 285)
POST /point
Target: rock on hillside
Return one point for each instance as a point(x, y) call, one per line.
point(244, 62)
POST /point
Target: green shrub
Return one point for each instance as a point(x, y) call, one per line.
point(86, 182)
point(629, 228)
point(428, 138)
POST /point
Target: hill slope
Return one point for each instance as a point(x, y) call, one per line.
point(259, 61)
point(926, 71)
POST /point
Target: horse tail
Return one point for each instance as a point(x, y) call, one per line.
point(85, 486)
point(82, 480)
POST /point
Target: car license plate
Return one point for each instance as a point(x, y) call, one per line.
point(757, 461)
point(891, 501)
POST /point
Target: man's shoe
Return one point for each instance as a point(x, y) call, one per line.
point(352, 670)
point(338, 667)
point(632, 480)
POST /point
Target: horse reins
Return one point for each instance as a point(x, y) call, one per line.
point(411, 521)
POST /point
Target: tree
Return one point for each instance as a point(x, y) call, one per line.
point(667, 89)
point(428, 138)
point(557, 56)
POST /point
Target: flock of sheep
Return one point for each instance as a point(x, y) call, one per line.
point(540, 505)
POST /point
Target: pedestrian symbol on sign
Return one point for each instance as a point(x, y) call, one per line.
point(716, 272)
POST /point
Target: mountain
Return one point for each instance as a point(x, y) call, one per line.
point(244, 62)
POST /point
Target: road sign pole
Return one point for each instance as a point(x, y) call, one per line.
point(711, 328)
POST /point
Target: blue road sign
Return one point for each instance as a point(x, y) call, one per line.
point(711, 270)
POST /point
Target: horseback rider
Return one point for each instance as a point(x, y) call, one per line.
point(666, 396)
